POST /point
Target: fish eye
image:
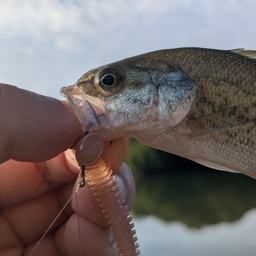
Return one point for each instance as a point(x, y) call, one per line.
point(109, 81)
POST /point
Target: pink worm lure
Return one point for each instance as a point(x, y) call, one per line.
point(99, 177)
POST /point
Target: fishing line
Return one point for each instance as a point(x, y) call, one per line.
point(81, 181)
point(47, 230)
point(80, 184)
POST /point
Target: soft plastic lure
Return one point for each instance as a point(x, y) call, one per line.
point(99, 177)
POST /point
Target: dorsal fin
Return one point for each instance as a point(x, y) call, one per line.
point(248, 53)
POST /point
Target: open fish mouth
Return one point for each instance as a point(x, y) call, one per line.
point(145, 114)
point(135, 111)
point(90, 110)
point(100, 116)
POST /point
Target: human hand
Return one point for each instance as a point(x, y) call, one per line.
point(36, 179)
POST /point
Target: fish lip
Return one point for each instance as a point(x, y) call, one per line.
point(74, 96)
point(89, 110)
point(94, 114)
point(91, 123)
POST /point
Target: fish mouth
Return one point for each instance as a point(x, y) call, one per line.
point(89, 110)
point(74, 96)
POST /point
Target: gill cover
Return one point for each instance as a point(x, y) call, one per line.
point(130, 100)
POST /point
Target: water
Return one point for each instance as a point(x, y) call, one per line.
point(196, 213)
point(175, 239)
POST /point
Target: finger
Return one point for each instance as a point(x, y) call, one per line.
point(30, 219)
point(84, 238)
point(85, 203)
point(22, 181)
point(46, 247)
point(26, 205)
point(87, 230)
point(34, 127)
point(128, 188)
point(26, 214)
point(114, 154)
point(38, 212)
point(28, 210)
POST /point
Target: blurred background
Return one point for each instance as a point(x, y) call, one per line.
point(181, 208)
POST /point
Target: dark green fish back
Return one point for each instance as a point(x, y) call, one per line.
point(209, 64)
point(225, 118)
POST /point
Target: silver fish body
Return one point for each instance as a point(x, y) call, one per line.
point(196, 103)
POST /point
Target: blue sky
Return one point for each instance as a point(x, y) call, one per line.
point(47, 44)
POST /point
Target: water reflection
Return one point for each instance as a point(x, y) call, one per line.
point(184, 209)
point(196, 213)
point(195, 198)
point(175, 239)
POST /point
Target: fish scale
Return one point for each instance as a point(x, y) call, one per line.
point(193, 102)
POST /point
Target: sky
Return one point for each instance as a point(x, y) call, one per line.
point(47, 44)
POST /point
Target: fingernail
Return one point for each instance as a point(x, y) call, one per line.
point(110, 236)
point(71, 161)
point(126, 183)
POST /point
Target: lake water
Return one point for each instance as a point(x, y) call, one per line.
point(196, 214)
point(175, 239)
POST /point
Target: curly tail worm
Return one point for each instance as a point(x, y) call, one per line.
point(100, 179)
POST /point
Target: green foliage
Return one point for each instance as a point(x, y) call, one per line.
point(195, 198)
point(146, 160)
point(175, 189)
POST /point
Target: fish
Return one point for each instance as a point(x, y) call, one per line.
point(196, 103)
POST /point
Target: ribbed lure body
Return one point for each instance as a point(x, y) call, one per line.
point(100, 179)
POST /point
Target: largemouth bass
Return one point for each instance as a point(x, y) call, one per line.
point(193, 102)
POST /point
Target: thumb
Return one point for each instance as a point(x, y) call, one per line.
point(34, 127)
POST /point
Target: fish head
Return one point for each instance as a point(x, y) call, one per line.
point(134, 97)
